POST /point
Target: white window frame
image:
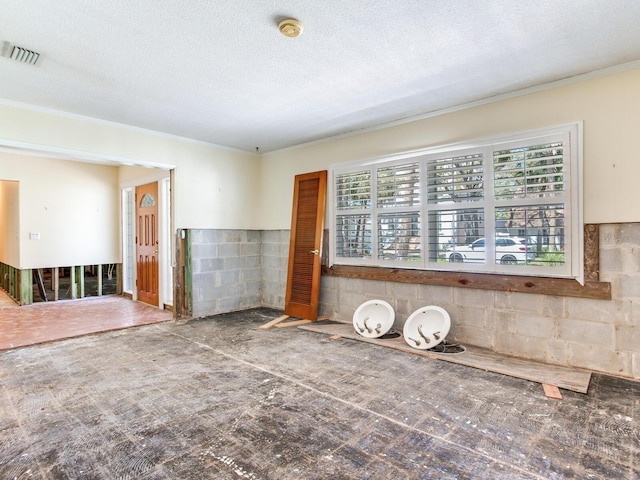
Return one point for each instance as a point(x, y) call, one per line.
point(572, 138)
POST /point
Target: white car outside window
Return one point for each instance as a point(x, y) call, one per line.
point(509, 250)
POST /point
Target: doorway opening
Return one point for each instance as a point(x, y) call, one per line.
point(146, 242)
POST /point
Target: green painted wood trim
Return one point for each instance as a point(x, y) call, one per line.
point(188, 275)
point(26, 286)
point(72, 280)
point(80, 280)
point(99, 275)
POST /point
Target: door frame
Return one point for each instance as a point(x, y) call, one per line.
point(166, 252)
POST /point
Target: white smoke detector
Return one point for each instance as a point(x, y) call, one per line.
point(290, 28)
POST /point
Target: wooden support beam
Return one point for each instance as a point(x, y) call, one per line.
point(564, 287)
point(55, 283)
point(25, 282)
point(293, 324)
point(99, 277)
point(273, 322)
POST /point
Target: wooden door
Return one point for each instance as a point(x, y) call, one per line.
point(305, 248)
point(147, 243)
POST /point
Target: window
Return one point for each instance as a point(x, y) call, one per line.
point(504, 205)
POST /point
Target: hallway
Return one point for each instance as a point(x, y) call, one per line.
point(46, 322)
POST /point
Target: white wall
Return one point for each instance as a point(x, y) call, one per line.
point(608, 106)
point(214, 187)
point(9, 222)
point(73, 206)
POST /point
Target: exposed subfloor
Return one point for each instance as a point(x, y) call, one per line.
point(218, 398)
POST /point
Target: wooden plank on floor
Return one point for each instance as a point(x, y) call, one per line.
point(295, 323)
point(552, 391)
point(273, 322)
point(568, 378)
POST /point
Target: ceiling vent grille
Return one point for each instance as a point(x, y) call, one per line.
point(23, 55)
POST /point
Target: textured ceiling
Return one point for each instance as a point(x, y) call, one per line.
point(220, 71)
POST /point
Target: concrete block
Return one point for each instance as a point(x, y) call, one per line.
point(252, 261)
point(375, 289)
point(234, 236)
point(503, 321)
point(226, 250)
point(521, 346)
point(600, 359)
point(531, 325)
point(635, 365)
point(435, 295)
point(212, 236)
point(208, 279)
point(586, 333)
point(229, 304)
point(610, 260)
point(467, 316)
point(523, 302)
point(247, 249)
point(272, 249)
point(620, 233)
point(401, 290)
point(271, 263)
point(630, 258)
point(629, 286)
point(250, 274)
point(232, 263)
point(253, 288)
point(208, 265)
point(601, 311)
point(204, 251)
point(204, 309)
point(557, 352)
point(474, 297)
point(254, 236)
point(269, 236)
point(229, 277)
point(554, 306)
point(628, 338)
point(470, 336)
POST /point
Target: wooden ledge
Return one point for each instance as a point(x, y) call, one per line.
point(561, 287)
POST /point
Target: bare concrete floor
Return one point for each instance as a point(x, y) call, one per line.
point(217, 398)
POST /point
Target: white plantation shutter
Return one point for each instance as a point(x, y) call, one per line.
point(530, 171)
point(455, 179)
point(353, 224)
point(398, 186)
point(518, 198)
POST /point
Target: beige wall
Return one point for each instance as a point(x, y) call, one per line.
point(226, 189)
point(73, 206)
point(214, 187)
point(609, 107)
point(10, 222)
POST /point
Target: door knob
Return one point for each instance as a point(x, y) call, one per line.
point(315, 252)
point(155, 252)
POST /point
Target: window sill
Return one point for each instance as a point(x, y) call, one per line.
point(562, 287)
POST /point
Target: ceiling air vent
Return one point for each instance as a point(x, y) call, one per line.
point(23, 55)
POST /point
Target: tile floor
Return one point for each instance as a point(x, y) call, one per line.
point(45, 322)
point(218, 398)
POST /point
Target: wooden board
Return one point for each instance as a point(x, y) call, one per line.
point(573, 379)
point(273, 322)
point(552, 391)
point(295, 323)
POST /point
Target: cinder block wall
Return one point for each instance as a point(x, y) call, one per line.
point(601, 335)
point(226, 270)
point(275, 258)
point(236, 269)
